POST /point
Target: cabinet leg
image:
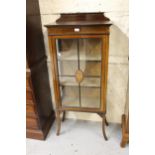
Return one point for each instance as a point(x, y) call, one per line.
point(58, 120)
point(63, 116)
point(123, 143)
point(103, 127)
point(106, 122)
point(125, 134)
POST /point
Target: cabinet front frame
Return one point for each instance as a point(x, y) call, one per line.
point(103, 78)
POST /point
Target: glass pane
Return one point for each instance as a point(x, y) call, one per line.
point(68, 81)
point(90, 64)
point(90, 49)
point(67, 56)
point(90, 97)
point(70, 96)
point(67, 49)
point(90, 82)
point(91, 68)
point(67, 68)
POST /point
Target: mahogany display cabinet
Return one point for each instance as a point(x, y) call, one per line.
point(79, 46)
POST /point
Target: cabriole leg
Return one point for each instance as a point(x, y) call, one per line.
point(63, 116)
point(106, 122)
point(103, 127)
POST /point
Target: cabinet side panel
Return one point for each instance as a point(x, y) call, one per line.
point(54, 70)
point(105, 56)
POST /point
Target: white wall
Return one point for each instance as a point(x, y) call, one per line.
point(117, 11)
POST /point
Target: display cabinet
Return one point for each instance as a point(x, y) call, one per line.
point(79, 54)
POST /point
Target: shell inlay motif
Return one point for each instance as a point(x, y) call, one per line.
point(79, 76)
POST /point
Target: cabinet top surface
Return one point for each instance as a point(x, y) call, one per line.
point(81, 19)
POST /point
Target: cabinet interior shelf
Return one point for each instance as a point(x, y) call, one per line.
point(93, 102)
point(86, 76)
point(72, 56)
point(87, 82)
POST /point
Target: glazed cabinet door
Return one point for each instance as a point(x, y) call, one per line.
point(79, 62)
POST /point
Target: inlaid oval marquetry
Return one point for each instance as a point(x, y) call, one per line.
point(79, 76)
